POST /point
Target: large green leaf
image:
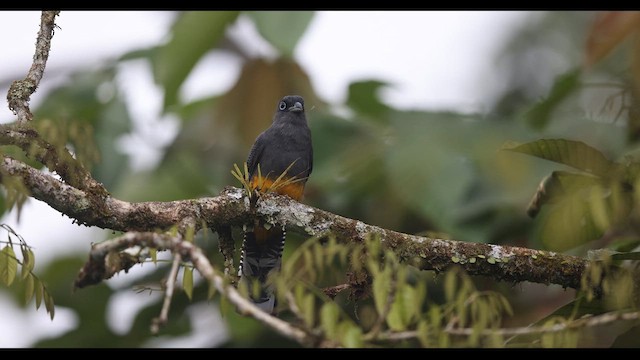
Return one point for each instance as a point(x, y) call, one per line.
point(363, 97)
point(540, 114)
point(113, 122)
point(558, 184)
point(580, 209)
point(193, 34)
point(247, 108)
point(340, 166)
point(282, 29)
point(568, 152)
point(634, 255)
point(567, 224)
point(426, 166)
point(181, 177)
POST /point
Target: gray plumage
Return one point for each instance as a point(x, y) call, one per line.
point(286, 141)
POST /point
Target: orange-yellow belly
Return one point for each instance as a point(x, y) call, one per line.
point(293, 190)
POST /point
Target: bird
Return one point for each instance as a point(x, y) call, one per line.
point(281, 154)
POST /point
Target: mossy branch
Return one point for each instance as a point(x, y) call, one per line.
point(79, 196)
point(55, 158)
point(188, 252)
point(21, 90)
point(231, 208)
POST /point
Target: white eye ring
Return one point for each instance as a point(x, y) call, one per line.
point(282, 105)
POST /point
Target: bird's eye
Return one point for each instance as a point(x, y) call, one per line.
point(282, 105)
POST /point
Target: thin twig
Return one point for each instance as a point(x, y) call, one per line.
point(333, 291)
point(231, 208)
point(189, 252)
point(591, 321)
point(22, 134)
point(55, 158)
point(168, 295)
point(21, 90)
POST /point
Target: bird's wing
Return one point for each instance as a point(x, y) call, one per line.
point(310, 161)
point(255, 155)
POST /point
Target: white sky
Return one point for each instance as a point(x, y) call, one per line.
point(435, 60)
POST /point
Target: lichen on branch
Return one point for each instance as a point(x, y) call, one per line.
point(21, 90)
point(231, 208)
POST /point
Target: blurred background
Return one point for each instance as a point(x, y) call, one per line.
point(408, 112)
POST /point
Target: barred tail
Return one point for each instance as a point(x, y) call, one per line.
point(261, 255)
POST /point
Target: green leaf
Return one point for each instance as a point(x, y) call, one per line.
point(626, 256)
point(190, 234)
point(225, 305)
point(381, 286)
point(48, 303)
point(352, 337)
point(211, 292)
point(435, 316)
point(402, 309)
point(187, 281)
point(443, 340)
point(282, 29)
point(363, 97)
point(553, 187)
point(540, 114)
point(28, 288)
point(145, 53)
point(308, 310)
point(298, 293)
point(450, 285)
point(39, 289)
point(193, 35)
point(114, 121)
point(3, 203)
point(428, 170)
point(329, 314)
point(153, 252)
point(28, 261)
point(567, 224)
point(8, 265)
point(568, 152)
point(423, 333)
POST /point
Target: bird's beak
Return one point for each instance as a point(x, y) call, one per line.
point(296, 107)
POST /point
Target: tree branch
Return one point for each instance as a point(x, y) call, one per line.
point(231, 208)
point(168, 295)
point(189, 252)
point(587, 321)
point(56, 158)
point(23, 135)
point(21, 90)
point(82, 198)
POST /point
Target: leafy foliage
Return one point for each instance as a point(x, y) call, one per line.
point(32, 284)
point(414, 171)
point(572, 153)
point(393, 306)
point(193, 35)
point(581, 206)
point(284, 38)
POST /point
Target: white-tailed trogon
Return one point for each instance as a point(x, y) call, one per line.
point(286, 144)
